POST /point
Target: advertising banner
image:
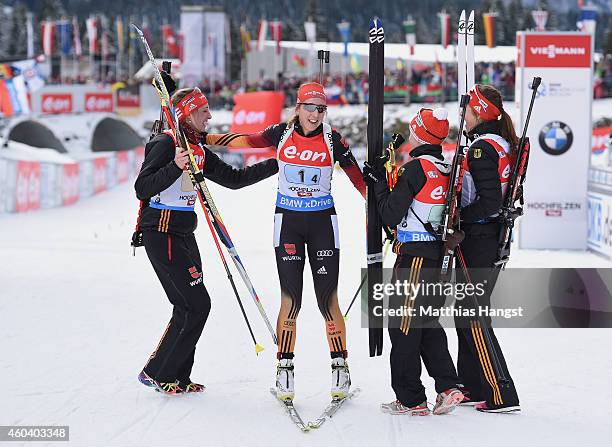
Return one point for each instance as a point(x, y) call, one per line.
point(86, 178)
point(70, 183)
point(122, 166)
point(560, 134)
point(98, 102)
point(54, 103)
point(255, 111)
point(99, 175)
point(599, 236)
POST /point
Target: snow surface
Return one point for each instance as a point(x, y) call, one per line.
point(79, 317)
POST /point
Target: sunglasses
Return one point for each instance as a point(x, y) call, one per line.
point(312, 107)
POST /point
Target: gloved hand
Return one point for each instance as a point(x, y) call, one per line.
point(373, 175)
point(168, 82)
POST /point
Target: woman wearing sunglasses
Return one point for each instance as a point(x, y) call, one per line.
point(305, 222)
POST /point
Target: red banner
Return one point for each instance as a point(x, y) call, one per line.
point(601, 136)
point(70, 184)
point(128, 97)
point(255, 111)
point(99, 175)
point(27, 194)
point(98, 102)
point(558, 50)
point(56, 102)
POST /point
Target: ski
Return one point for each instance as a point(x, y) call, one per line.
point(197, 178)
point(291, 412)
point(461, 67)
point(332, 408)
point(469, 50)
point(374, 152)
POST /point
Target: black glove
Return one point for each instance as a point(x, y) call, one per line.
point(168, 82)
point(373, 175)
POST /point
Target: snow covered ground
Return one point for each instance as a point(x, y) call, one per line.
point(79, 317)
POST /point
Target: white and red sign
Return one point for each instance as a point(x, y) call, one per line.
point(27, 191)
point(255, 111)
point(70, 184)
point(560, 134)
point(99, 177)
point(98, 102)
point(123, 166)
point(56, 103)
point(557, 50)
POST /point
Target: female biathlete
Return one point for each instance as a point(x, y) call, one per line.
point(305, 222)
point(480, 363)
point(167, 222)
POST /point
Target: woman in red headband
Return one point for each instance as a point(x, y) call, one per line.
point(305, 222)
point(493, 143)
point(167, 221)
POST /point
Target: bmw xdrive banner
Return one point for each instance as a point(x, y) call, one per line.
point(560, 135)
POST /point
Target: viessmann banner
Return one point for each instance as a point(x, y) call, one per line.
point(560, 135)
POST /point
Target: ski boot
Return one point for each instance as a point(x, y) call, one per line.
point(284, 380)
point(341, 378)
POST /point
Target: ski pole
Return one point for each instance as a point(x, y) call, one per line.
point(388, 244)
point(323, 57)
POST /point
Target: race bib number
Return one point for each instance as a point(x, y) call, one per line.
point(302, 175)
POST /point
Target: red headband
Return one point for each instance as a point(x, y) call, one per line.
point(311, 90)
point(482, 106)
point(189, 103)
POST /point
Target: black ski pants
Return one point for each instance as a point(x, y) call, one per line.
point(176, 261)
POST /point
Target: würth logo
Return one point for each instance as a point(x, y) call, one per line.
point(552, 51)
point(98, 102)
point(193, 271)
point(56, 103)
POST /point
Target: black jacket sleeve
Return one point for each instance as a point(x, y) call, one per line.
point(483, 165)
point(159, 170)
point(393, 205)
point(220, 172)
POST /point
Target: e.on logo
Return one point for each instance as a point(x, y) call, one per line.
point(56, 103)
point(98, 102)
point(437, 193)
point(243, 117)
point(292, 153)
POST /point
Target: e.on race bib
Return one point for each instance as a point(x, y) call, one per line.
point(305, 171)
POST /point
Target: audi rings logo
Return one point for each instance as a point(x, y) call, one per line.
point(556, 138)
point(325, 253)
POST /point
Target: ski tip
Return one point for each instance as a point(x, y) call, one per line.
point(135, 27)
point(375, 22)
point(471, 18)
point(258, 348)
point(462, 16)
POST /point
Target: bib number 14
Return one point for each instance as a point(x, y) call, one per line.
point(302, 175)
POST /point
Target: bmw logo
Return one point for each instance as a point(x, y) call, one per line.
point(556, 138)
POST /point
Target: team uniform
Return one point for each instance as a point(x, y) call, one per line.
point(305, 224)
point(485, 182)
point(167, 222)
point(414, 208)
